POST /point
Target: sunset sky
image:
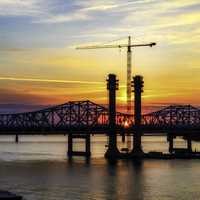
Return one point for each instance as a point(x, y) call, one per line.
point(40, 65)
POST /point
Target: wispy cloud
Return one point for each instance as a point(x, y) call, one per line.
point(51, 80)
point(13, 49)
point(77, 16)
point(19, 8)
point(42, 11)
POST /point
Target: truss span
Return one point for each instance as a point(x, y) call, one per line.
point(77, 115)
point(87, 116)
point(174, 116)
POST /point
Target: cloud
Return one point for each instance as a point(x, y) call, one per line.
point(51, 80)
point(12, 96)
point(49, 11)
point(13, 49)
point(64, 18)
point(19, 8)
point(43, 11)
point(16, 2)
point(55, 11)
point(108, 5)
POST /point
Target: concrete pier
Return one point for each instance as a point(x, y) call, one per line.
point(86, 138)
point(16, 138)
point(170, 139)
point(172, 149)
point(123, 137)
point(112, 85)
point(138, 89)
point(189, 145)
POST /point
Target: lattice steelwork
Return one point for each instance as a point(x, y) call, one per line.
point(175, 115)
point(86, 116)
point(77, 115)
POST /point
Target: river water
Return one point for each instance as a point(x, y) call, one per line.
point(38, 169)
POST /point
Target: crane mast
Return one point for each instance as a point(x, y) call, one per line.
point(129, 47)
point(129, 72)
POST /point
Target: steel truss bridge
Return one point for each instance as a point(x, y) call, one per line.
point(86, 116)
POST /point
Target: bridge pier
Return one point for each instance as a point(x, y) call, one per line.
point(16, 138)
point(189, 145)
point(138, 89)
point(170, 139)
point(86, 137)
point(70, 145)
point(88, 145)
point(112, 151)
point(123, 137)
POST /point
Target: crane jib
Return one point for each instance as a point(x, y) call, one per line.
point(116, 46)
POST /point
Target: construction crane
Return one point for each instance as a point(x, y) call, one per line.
point(129, 47)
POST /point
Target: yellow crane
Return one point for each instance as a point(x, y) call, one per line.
point(129, 46)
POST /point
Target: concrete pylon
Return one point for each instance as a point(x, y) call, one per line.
point(137, 84)
point(16, 138)
point(189, 145)
point(170, 139)
point(112, 85)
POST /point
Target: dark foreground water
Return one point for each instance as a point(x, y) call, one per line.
point(38, 169)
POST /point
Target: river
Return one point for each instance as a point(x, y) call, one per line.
point(38, 169)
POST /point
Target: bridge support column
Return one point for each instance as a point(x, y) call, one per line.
point(71, 152)
point(123, 137)
point(16, 138)
point(88, 145)
point(170, 139)
point(189, 145)
point(112, 85)
point(138, 89)
point(70, 145)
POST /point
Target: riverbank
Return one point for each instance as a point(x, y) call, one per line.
point(5, 195)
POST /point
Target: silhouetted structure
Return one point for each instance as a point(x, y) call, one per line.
point(74, 116)
point(86, 137)
point(138, 89)
point(172, 149)
point(112, 85)
point(80, 119)
point(129, 46)
point(16, 138)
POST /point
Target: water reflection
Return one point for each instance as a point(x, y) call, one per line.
point(41, 170)
point(111, 180)
point(100, 180)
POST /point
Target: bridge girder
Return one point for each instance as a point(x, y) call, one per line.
point(69, 115)
point(86, 115)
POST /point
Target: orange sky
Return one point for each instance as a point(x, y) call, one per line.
point(39, 64)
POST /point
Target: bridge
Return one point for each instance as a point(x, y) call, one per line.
point(173, 118)
point(71, 116)
point(80, 119)
point(86, 115)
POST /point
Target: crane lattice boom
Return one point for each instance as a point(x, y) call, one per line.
point(115, 46)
